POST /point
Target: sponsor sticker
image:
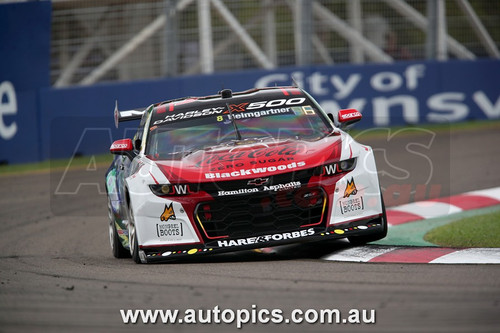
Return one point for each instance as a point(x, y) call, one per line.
point(254, 171)
point(169, 231)
point(258, 181)
point(351, 205)
point(190, 115)
point(264, 188)
point(262, 113)
point(266, 238)
point(350, 189)
point(268, 155)
point(168, 213)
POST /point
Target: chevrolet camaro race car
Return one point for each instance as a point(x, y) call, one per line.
point(236, 171)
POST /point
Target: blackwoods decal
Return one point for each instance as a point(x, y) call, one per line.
point(266, 238)
point(254, 171)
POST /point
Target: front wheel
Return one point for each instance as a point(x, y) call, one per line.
point(132, 237)
point(362, 240)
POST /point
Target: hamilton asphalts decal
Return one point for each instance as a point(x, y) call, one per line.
point(263, 188)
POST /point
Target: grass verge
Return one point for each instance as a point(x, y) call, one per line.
point(474, 231)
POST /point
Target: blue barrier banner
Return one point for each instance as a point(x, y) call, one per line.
point(403, 93)
point(24, 69)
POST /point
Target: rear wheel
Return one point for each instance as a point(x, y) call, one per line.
point(361, 240)
point(116, 245)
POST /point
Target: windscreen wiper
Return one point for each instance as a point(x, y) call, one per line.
point(237, 131)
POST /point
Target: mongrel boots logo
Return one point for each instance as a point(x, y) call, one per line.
point(168, 213)
point(350, 188)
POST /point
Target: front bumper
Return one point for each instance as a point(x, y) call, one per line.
point(366, 226)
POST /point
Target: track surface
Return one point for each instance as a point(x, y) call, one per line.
point(57, 272)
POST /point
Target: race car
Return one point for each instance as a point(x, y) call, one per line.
point(235, 171)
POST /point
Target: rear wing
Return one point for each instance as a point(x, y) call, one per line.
point(127, 115)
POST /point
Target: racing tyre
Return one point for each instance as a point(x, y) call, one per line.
point(362, 240)
point(116, 245)
point(132, 237)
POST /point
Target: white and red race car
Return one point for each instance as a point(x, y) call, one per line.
point(238, 171)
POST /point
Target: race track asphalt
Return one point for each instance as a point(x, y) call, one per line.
point(57, 273)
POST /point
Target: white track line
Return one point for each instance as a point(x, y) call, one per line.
point(470, 256)
point(359, 254)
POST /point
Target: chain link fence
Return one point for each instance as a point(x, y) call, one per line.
point(121, 40)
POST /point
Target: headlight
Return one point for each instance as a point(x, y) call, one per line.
point(347, 165)
point(339, 167)
point(163, 190)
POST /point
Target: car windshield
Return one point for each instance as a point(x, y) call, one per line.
point(180, 137)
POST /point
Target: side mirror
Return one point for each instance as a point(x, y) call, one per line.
point(123, 147)
point(348, 117)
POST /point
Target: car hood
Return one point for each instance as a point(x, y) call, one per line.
point(251, 160)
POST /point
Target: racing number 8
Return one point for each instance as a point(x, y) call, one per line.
point(220, 118)
point(308, 110)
